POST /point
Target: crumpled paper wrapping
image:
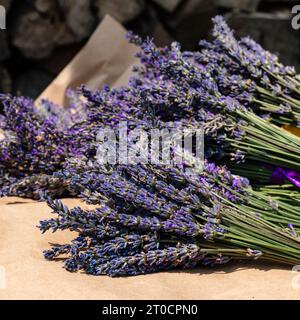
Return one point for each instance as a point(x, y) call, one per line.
point(107, 58)
point(25, 274)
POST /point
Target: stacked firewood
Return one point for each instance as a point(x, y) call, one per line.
point(43, 35)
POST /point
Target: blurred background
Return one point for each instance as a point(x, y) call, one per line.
point(42, 36)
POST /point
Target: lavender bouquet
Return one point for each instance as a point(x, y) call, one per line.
point(35, 141)
point(237, 91)
point(151, 218)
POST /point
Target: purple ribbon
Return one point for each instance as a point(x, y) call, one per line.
point(280, 174)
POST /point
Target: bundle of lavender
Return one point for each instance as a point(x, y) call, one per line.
point(35, 141)
point(152, 217)
point(237, 91)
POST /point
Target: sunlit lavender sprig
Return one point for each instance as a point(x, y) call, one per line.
point(185, 256)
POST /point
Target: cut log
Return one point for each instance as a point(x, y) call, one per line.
point(119, 10)
point(168, 5)
point(5, 80)
point(78, 17)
